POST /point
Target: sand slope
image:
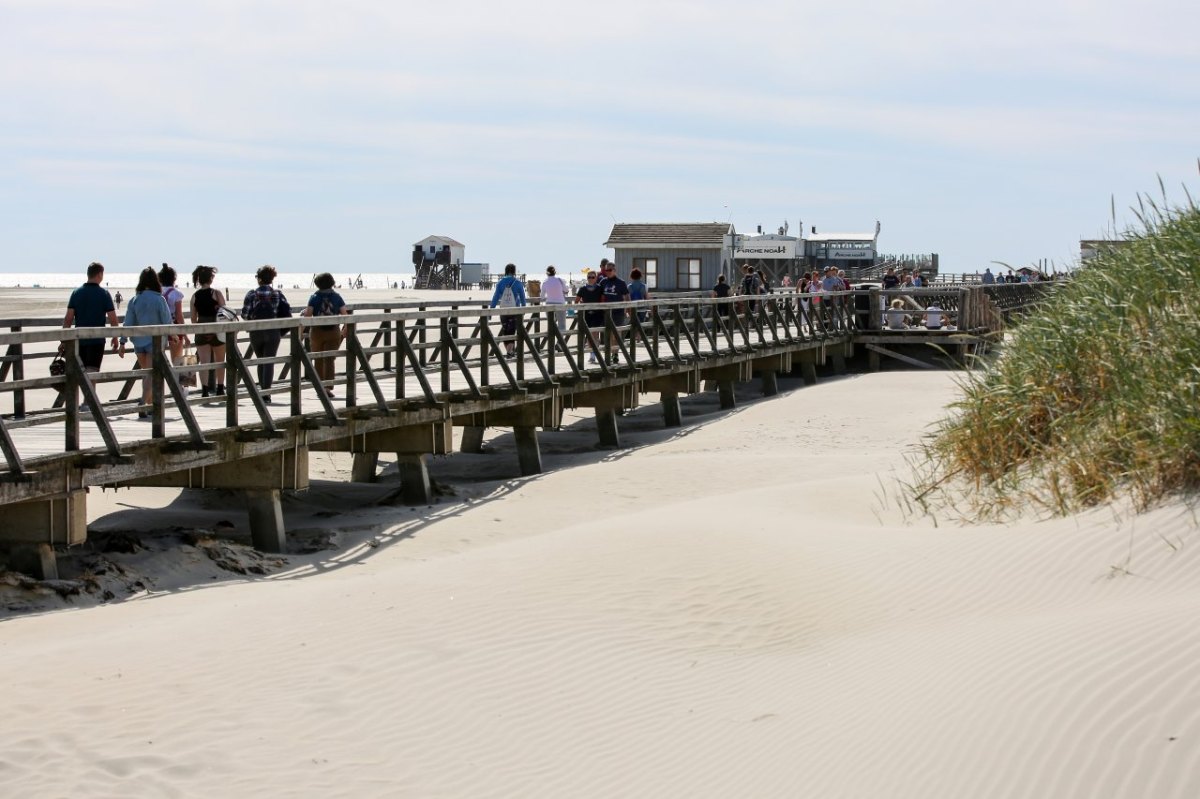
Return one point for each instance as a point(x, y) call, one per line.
point(737, 610)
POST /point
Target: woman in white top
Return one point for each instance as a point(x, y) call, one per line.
point(174, 298)
point(554, 292)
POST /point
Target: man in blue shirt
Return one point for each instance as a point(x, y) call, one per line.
point(509, 293)
point(91, 306)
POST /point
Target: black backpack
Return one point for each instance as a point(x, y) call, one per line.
point(263, 307)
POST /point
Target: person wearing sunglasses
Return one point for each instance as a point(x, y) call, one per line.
point(591, 293)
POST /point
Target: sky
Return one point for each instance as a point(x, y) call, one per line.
point(333, 135)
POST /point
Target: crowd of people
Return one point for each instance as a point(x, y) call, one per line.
point(157, 301)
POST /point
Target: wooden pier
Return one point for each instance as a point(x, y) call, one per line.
point(407, 375)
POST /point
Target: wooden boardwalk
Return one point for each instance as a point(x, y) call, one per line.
point(406, 375)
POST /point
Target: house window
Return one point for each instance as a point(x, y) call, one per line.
point(649, 267)
point(687, 273)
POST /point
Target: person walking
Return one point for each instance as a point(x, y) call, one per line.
point(554, 292)
point(615, 290)
point(148, 307)
point(90, 305)
point(325, 338)
point(210, 347)
point(750, 287)
point(638, 290)
point(509, 293)
point(174, 298)
point(265, 302)
point(720, 291)
point(590, 293)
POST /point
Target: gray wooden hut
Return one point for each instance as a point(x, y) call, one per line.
point(674, 257)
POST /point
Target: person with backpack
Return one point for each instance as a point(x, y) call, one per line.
point(325, 338)
point(265, 302)
point(750, 287)
point(174, 298)
point(210, 347)
point(148, 307)
point(509, 293)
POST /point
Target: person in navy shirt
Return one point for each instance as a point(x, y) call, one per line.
point(615, 290)
point(91, 306)
point(591, 293)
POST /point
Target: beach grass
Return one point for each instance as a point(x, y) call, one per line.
point(1096, 394)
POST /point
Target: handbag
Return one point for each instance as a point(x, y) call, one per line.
point(58, 366)
point(189, 378)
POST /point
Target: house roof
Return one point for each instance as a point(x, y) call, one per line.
point(440, 240)
point(692, 234)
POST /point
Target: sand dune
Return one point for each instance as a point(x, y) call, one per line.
point(736, 609)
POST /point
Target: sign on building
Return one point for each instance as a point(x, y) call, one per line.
point(752, 250)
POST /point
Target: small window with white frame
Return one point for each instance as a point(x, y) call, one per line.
point(687, 273)
point(649, 267)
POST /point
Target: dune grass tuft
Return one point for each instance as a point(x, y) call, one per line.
point(1097, 393)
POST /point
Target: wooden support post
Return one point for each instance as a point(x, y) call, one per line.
point(839, 362)
point(672, 412)
point(770, 383)
point(472, 440)
point(529, 456)
point(872, 359)
point(808, 366)
point(725, 391)
point(415, 486)
point(606, 426)
point(266, 520)
point(57, 520)
point(363, 470)
point(36, 560)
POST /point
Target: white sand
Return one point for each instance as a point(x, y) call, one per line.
point(730, 610)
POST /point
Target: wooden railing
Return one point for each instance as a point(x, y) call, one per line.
point(425, 353)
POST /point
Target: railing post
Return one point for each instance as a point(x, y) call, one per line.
point(71, 397)
point(231, 380)
point(18, 373)
point(158, 409)
point(422, 324)
point(444, 328)
point(351, 366)
point(296, 384)
point(551, 342)
point(401, 335)
point(520, 346)
point(387, 342)
point(876, 310)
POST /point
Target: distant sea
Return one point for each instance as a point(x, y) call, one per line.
point(225, 280)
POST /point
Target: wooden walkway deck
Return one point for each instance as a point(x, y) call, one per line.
point(406, 375)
